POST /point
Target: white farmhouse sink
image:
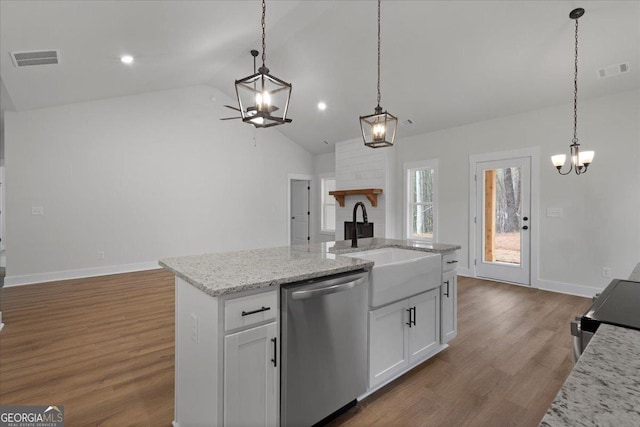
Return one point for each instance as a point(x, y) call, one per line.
point(400, 273)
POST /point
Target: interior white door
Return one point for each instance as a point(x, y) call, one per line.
point(503, 224)
point(300, 211)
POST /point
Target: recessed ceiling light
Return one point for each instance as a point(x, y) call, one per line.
point(322, 106)
point(126, 59)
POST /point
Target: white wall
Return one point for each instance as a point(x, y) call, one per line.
point(601, 221)
point(141, 178)
point(323, 165)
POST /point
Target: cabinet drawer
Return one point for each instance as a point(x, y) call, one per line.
point(449, 261)
point(247, 311)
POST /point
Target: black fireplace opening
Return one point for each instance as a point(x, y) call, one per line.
point(364, 230)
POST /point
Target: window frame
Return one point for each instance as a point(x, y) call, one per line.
point(409, 168)
point(323, 198)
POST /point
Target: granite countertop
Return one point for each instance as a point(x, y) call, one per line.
point(230, 272)
point(603, 388)
point(368, 244)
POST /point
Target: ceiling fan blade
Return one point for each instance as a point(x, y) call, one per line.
point(230, 118)
point(232, 107)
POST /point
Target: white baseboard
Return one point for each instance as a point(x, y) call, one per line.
point(546, 285)
point(566, 288)
point(30, 279)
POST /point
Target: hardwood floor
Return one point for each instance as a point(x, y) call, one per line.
point(511, 356)
point(103, 348)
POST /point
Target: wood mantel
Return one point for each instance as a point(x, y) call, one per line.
point(369, 193)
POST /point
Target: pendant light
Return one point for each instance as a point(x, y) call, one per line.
point(580, 161)
point(378, 129)
point(261, 94)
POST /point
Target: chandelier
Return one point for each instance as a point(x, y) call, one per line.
point(261, 94)
point(379, 128)
point(580, 161)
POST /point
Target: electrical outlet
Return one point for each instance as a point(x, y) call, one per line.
point(554, 212)
point(606, 272)
point(194, 328)
point(100, 254)
point(37, 210)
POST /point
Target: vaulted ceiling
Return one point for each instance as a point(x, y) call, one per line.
point(444, 63)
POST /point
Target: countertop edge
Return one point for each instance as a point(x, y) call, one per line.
point(269, 283)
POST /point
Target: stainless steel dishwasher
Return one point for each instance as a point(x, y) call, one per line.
point(324, 346)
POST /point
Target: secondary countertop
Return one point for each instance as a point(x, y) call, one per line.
point(226, 273)
point(603, 388)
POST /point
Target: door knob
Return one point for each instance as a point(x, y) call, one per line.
point(525, 227)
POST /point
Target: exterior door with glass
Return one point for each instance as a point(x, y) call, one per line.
point(503, 197)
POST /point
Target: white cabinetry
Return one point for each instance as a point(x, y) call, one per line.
point(388, 353)
point(403, 334)
point(424, 332)
point(251, 377)
point(449, 292)
point(227, 358)
point(449, 297)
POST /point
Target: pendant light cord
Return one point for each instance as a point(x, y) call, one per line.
point(575, 91)
point(264, 12)
point(379, 53)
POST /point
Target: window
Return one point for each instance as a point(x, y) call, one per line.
point(421, 184)
point(328, 204)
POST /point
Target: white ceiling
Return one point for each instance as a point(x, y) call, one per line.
point(444, 63)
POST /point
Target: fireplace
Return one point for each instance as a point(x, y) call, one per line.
point(364, 230)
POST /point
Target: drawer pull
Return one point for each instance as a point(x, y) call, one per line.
point(260, 310)
point(452, 262)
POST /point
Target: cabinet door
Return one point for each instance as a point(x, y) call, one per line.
point(388, 342)
point(424, 333)
point(251, 377)
point(449, 295)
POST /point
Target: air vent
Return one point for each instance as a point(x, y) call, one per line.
point(36, 57)
point(407, 122)
point(613, 70)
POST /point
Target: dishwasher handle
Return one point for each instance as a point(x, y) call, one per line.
point(328, 287)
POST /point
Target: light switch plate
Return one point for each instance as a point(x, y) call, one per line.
point(37, 210)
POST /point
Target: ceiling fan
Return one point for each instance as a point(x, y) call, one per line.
point(272, 108)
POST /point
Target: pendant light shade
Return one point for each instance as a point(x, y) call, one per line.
point(379, 128)
point(579, 160)
point(263, 99)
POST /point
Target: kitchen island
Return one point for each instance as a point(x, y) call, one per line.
point(227, 324)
